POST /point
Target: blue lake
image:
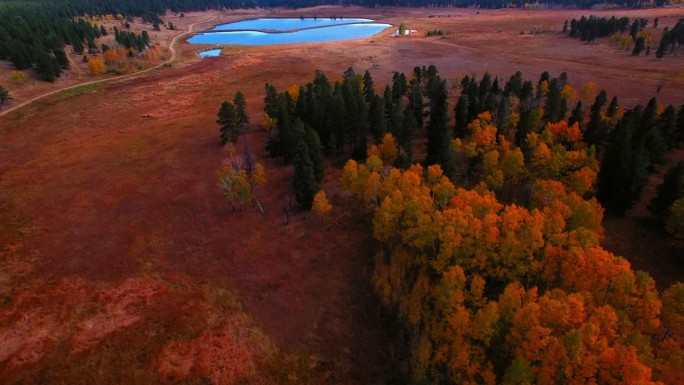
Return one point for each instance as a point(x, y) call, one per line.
point(258, 31)
point(210, 53)
point(282, 24)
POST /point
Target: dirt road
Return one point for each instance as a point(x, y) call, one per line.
point(122, 77)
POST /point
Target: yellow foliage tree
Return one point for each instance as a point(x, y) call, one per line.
point(268, 123)
point(388, 149)
point(588, 92)
point(96, 65)
point(259, 175)
point(320, 203)
point(18, 76)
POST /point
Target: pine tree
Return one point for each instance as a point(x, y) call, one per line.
point(612, 107)
point(227, 121)
point(461, 112)
point(678, 136)
point(668, 192)
point(399, 86)
point(304, 180)
point(597, 129)
point(623, 172)
point(639, 45)
point(577, 115)
point(4, 95)
point(368, 87)
point(553, 102)
point(439, 135)
point(376, 118)
point(313, 143)
point(409, 129)
point(667, 125)
point(651, 135)
point(241, 110)
point(415, 97)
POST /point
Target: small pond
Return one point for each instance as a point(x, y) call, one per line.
point(210, 53)
point(288, 31)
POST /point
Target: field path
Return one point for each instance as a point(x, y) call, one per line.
point(122, 77)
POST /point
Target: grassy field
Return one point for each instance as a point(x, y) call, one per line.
point(111, 220)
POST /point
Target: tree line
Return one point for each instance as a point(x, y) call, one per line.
point(626, 32)
point(33, 33)
point(343, 116)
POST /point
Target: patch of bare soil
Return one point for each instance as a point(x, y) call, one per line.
point(119, 183)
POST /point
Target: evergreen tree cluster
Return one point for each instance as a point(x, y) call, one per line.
point(672, 40)
point(671, 190)
point(347, 116)
point(232, 118)
point(592, 27)
point(33, 33)
point(343, 117)
point(132, 40)
point(632, 147)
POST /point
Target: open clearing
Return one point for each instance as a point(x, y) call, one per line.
point(117, 182)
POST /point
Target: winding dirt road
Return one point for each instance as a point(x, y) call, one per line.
point(122, 77)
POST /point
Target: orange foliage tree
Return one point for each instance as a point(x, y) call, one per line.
point(505, 293)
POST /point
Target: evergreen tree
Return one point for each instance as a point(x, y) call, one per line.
point(597, 128)
point(612, 107)
point(241, 110)
point(552, 108)
point(4, 95)
point(639, 45)
point(271, 100)
point(678, 137)
point(47, 67)
point(368, 87)
point(399, 86)
point(376, 118)
point(228, 123)
point(313, 144)
point(668, 192)
point(415, 97)
point(304, 180)
point(651, 134)
point(525, 127)
point(338, 116)
point(461, 112)
point(577, 114)
point(289, 130)
point(439, 135)
point(623, 172)
point(526, 95)
point(77, 46)
point(409, 129)
point(514, 85)
point(667, 125)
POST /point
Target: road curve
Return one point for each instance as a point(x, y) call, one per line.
point(171, 59)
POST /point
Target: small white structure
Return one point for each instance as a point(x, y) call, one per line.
point(407, 32)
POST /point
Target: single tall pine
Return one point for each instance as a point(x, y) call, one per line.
point(304, 181)
point(227, 121)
